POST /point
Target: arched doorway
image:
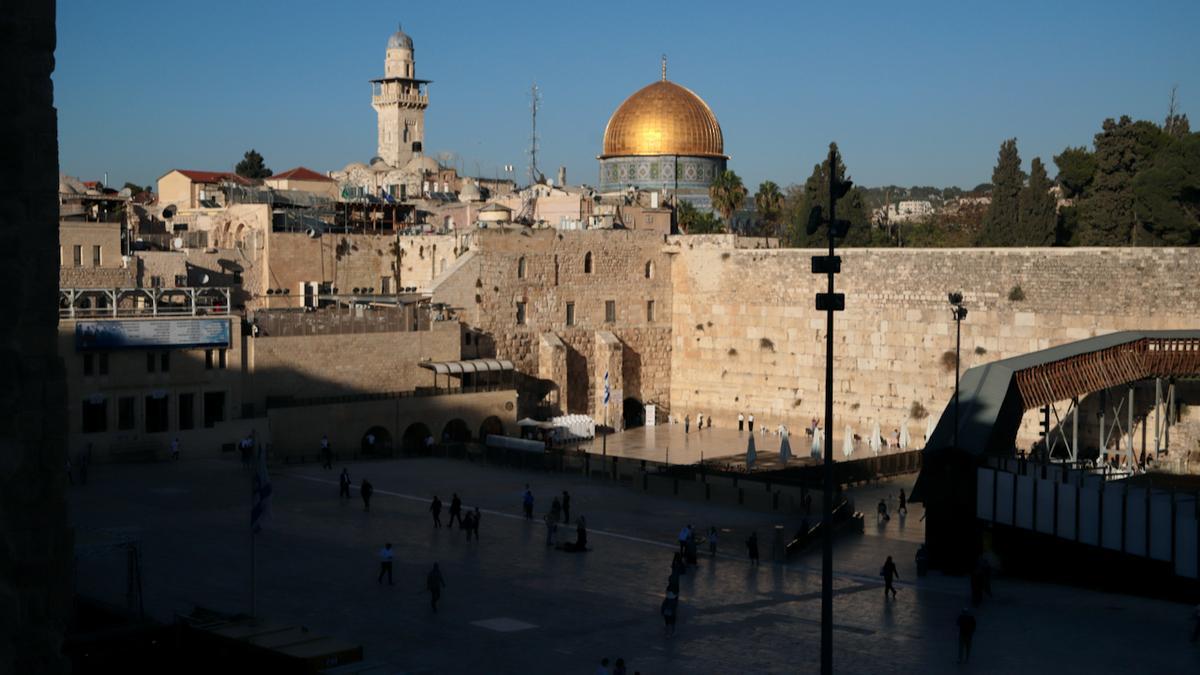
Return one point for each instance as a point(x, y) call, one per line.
point(456, 431)
point(634, 412)
point(376, 441)
point(413, 441)
point(491, 425)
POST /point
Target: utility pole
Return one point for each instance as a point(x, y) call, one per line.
point(829, 302)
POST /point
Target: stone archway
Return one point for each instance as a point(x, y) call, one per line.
point(491, 425)
point(376, 441)
point(634, 413)
point(413, 440)
point(456, 431)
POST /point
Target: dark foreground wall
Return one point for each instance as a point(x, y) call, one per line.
point(35, 546)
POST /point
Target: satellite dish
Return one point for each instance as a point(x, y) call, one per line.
point(313, 233)
point(177, 243)
point(125, 193)
point(204, 279)
point(169, 212)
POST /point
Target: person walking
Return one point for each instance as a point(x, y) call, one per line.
point(750, 422)
point(966, 631)
point(476, 516)
point(700, 421)
point(527, 502)
point(365, 490)
point(710, 421)
point(455, 511)
point(326, 453)
point(687, 423)
point(467, 524)
point(669, 608)
point(752, 548)
point(903, 508)
point(889, 574)
point(741, 421)
point(385, 563)
point(551, 529)
point(566, 507)
point(175, 449)
point(555, 509)
point(434, 583)
point(712, 540)
point(683, 538)
point(881, 514)
point(344, 484)
point(436, 509)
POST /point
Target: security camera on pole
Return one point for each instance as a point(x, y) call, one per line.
point(829, 302)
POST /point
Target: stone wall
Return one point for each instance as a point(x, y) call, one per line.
point(544, 270)
point(35, 542)
point(747, 337)
point(349, 261)
point(333, 365)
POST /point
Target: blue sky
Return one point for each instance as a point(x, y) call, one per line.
point(922, 93)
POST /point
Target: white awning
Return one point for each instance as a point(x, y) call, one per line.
point(469, 366)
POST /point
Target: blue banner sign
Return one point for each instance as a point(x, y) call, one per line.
point(151, 334)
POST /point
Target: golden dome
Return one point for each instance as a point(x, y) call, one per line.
point(663, 119)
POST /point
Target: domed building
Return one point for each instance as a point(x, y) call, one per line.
point(663, 137)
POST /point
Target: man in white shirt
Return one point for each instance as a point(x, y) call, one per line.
point(385, 563)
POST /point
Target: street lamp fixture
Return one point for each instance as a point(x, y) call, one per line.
point(959, 312)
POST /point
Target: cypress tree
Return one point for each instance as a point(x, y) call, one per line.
point(1037, 215)
point(1002, 219)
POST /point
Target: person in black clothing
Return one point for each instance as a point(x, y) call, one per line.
point(670, 607)
point(903, 508)
point(434, 582)
point(467, 524)
point(436, 509)
point(476, 516)
point(344, 484)
point(566, 507)
point(889, 574)
point(580, 543)
point(752, 548)
point(966, 631)
point(365, 491)
point(455, 511)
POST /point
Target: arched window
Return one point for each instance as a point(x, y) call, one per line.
point(587, 263)
point(649, 269)
point(521, 268)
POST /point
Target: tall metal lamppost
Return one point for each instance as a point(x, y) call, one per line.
point(959, 312)
point(829, 302)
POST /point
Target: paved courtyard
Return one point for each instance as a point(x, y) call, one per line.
point(513, 606)
point(668, 443)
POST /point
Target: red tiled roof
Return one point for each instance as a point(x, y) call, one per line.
point(214, 176)
point(93, 184)
point(301, 173)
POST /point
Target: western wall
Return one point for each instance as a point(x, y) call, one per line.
point(746, 336)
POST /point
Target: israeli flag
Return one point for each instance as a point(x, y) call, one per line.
point(607, 391)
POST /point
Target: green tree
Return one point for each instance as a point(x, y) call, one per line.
point(1106, 213)
point(1166, 196)
point(252, 166)
point(768, 202)
point(728, 195)
point(1037, 216)
point(692, 220)
point(816, 193)
point(1000, 223)
point(1076, 169)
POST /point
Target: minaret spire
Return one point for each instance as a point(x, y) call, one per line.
point(664, 67)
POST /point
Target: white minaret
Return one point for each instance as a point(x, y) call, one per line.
point(400, 101)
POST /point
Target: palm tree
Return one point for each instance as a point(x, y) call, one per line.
point(768, 201)
point(728, 194)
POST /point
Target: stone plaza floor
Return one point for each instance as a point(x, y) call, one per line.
point(670, 444)
point(513, 606)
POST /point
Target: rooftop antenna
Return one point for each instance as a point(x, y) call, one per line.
point(535, 101)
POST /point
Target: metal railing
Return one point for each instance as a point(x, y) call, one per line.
point(82, 303)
